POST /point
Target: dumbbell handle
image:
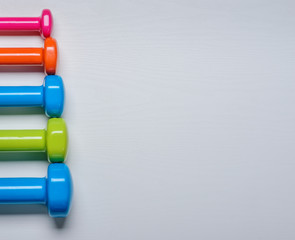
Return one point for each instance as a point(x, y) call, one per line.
point(23, 190)
point(23, 56)
point(21, 96)
point(23, 140)
point(20, 23)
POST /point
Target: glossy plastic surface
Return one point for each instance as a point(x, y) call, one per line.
point(41, 24)
point(23, 190)
point(50, 55)
point(24, 96)
point(23, 140)
point(54, 140)
point(46, 22)
point(21, 56)
point(46, 57)
point(55, 191)
point(57, 140)
point(50, 96)
point(59, 190)
point(53, 96)
point(20, 24)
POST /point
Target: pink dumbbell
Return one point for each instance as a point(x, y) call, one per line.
point(41, 24)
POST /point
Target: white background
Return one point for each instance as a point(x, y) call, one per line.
point(181, 117)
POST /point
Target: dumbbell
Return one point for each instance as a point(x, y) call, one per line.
point(50, 96)
point(41, 24)
point(46, 56)
point(53, 140)
point(55, 191)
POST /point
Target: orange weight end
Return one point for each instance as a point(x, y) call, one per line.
point(50, 55)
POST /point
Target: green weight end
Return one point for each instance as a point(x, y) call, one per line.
point(56, 140)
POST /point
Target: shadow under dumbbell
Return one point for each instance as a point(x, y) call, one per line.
point(21, 110)
point(23, 209)
point(23, 156)
point(17, 209)
point(16, 68)
point(19, 33)
point(60, 222)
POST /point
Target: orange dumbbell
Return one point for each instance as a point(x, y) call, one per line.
point(46, 56)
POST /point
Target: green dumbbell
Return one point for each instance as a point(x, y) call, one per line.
point(54, 140)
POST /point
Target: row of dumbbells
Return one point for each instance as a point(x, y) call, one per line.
point(55, 191)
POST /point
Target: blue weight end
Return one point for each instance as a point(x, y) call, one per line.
point(59, 190)
point(53, 96)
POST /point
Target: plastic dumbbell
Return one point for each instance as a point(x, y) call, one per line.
point(41, 24)
point(53, 140)
point(46, 56)
point(55, 191)
point(50, 96)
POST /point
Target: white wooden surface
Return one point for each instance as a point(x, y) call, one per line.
point(181, 119)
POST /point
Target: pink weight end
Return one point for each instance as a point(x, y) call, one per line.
point(46, 23)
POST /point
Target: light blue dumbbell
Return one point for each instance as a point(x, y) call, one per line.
point(55, 191)
point(50, 96)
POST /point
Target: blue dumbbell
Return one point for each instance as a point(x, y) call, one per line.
point(55, 191)
point(50, 96)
